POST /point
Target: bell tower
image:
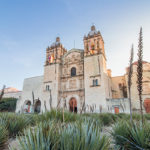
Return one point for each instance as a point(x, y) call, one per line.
point(52, 72)
point(95, 71)
point(93, 43)
point(55, 52)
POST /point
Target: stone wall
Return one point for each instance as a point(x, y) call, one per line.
point(118, 86)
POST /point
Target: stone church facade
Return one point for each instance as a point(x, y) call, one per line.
point(77, 80)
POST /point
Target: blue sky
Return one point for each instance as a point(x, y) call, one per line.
point(27, 27)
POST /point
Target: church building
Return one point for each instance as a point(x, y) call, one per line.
point(77, 80)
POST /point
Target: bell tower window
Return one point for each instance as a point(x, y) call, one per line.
point(73, 71)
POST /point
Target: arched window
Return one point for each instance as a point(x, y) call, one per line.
point(73, 71)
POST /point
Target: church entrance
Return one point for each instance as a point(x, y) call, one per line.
point(73, 105)
point(37, 107)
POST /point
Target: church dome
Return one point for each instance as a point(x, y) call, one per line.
point(57, 43)
point(93, 31)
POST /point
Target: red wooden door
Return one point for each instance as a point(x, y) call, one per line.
point(116, 110)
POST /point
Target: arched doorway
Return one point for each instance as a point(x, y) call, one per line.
point(73, 105)
point(27, 106)
point(37, 106)
point(147, 105)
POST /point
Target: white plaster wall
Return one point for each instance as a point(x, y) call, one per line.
point(121, 103)
point(13, 94)
point(31, 84)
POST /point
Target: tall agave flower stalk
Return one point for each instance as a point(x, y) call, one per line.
point(2, 93)
point(140, 72)
point(33, 99)
point(130, 79)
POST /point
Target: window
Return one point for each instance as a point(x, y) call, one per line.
point(47, 88)
point(73, 71)
point(95, 82)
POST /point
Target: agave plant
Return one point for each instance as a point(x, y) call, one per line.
point(42, 137)
point(58, 115)
point(14, 123)
point(85, 135)
point(131, 136)
point(3, 137)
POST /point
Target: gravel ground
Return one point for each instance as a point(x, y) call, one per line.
point(13, 143)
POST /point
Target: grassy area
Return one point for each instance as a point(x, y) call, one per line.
point(78, 131)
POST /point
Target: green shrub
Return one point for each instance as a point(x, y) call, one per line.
point(107, 119)
point(147, 116)
point(8, 104)
point(131, 136)
point(136, 116)
point(123, 116)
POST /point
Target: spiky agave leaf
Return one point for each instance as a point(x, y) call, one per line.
point(85, 135)
point(119, 133)
point(139, 136)
point(15, 123)
point(42, 137)
point(133, 135)
point(3, 137)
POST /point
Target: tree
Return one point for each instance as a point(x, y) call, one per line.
point(140, 71)
point(130, 79)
